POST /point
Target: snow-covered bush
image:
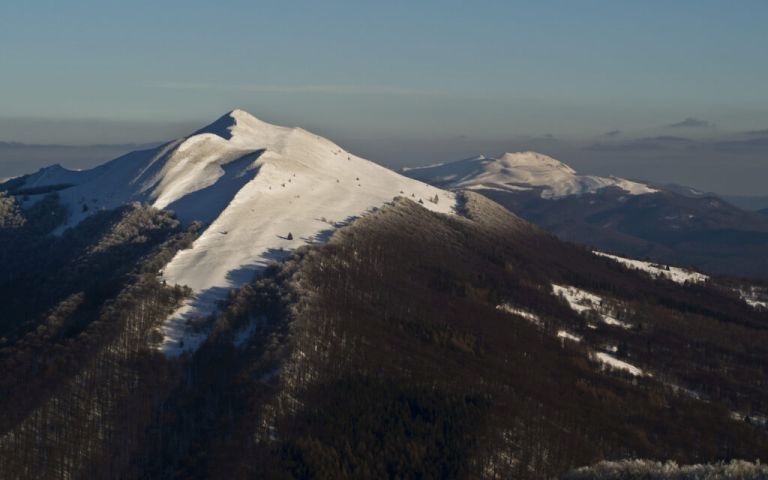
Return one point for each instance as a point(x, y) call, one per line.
point(10, 213)
point(651, 470)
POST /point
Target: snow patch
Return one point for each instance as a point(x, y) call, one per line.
point(676, 274)
point(565, 335)
point(185, 330)
point(614, 322)
point(505, 188)
point(755, 297)
point(579, 300)
point(583, 302)
point(753, 418)
point(616, 364)
point(531, 317)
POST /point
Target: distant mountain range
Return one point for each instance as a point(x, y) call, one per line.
point(17, 158)
point(667, 224)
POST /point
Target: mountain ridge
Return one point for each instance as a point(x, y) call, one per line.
point(261, 189)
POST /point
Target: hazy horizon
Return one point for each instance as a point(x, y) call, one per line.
point(666, 93)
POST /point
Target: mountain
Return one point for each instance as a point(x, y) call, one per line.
point(669, 225)
point(430, 335)
point(260, 189)
point(17, 158)
point(687, 191)
point(524, 171)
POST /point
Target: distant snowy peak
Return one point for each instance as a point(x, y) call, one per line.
point(520, 171)
point(533, 162)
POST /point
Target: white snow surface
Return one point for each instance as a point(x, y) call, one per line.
point(616, 364)
point(579, 300)
point(754, 297)
point(566, 335)
point(582, 301)
point(531, 317)
point(521, 171)
point(251, 183)
point(676, 274)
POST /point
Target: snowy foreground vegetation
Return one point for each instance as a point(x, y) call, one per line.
point(650, 470)
point(676, 274)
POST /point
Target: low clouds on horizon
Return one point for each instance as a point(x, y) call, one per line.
point(692, 122)
point(763, 132)
point(742, 146)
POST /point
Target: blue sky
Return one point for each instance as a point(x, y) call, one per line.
point(417, 71)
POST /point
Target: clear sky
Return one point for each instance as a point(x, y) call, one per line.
point(382, 74)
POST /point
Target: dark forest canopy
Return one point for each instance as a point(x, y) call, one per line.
point(381, 354)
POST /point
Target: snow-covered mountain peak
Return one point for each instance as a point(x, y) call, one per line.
point(242, 131)
point(520, 171)
point(56, 167)
point(533, 160)
point(260, 189)
point(236, 123)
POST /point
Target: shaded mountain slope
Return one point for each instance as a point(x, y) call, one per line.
point(413, 343)
point(384, 354)
point(616, 215)
point(92, 260)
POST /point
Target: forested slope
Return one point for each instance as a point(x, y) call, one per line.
point(412, 344)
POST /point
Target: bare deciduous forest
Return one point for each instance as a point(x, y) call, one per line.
point(381, 354)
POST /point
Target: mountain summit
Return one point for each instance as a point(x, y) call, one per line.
point(521, 171)
point(234, 122)
point(260, 189)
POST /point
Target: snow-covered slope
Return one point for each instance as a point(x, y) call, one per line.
point(676, 274)
point(261, 189)
point(523, 170)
